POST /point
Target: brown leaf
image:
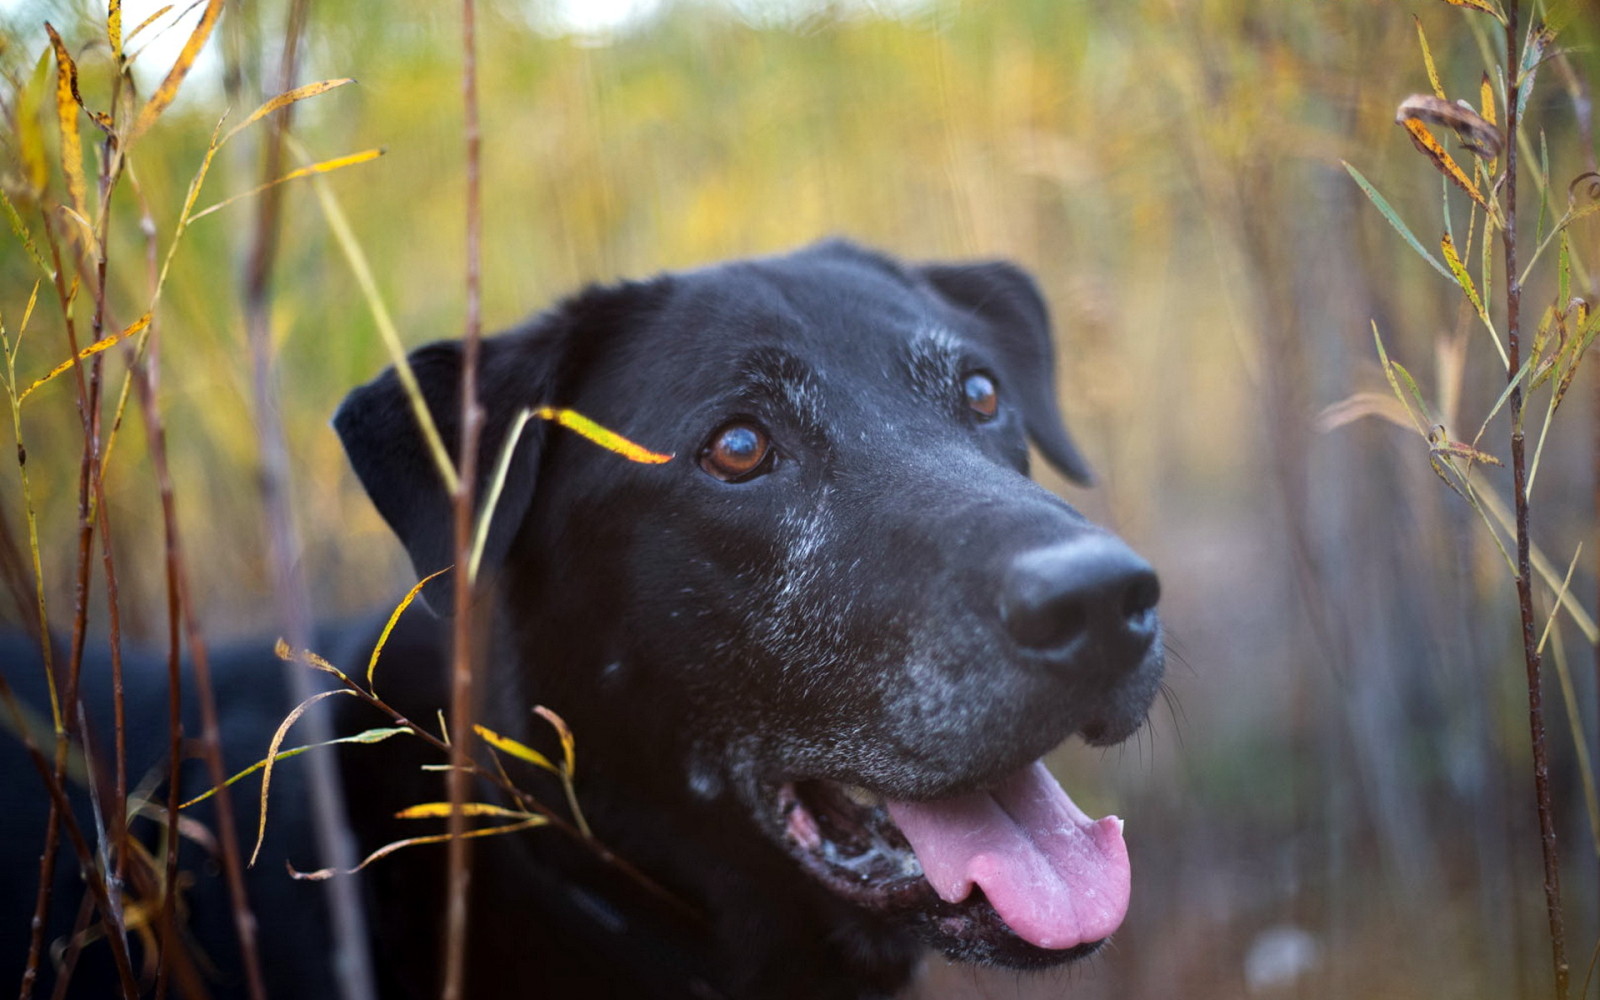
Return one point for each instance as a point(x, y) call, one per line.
point(1477, 134)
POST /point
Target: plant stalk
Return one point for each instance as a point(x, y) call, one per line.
point(1530, 640)
point(461, 678)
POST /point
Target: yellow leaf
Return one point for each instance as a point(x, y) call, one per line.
point(1486, 100)
point(1424, 140)
point(394, 618)
point(88, 352)
point(1427, 59)
point(310, 659)
point(114, 28)
point(610, 440)
point(441, 810)
point(508, 745)
point(316, 168)
point(30, 132)
point(67, 118)
point(1479, 5)
point(568, 744)
point(284, 100)
point(168, 90)
point(146, 23)
point(1452, 260)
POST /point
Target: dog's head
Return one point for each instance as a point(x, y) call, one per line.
point(843, 603)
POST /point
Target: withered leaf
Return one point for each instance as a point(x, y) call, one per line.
point(1478, 135)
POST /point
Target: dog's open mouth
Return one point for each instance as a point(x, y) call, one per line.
point(1015, 874)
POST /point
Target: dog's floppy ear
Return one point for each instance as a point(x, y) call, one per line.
point(385, 444)
point(519, 370)
point(1007, 298)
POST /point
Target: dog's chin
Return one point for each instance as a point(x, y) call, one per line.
point(844, 837)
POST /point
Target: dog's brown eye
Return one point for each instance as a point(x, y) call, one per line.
point(737, 451)
point(982, 397)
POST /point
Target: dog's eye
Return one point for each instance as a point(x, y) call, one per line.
point(736, 452)
point(981, 395)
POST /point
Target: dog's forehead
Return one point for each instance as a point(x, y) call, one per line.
point(826, 313)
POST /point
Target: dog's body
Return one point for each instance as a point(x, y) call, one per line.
point(809, 662)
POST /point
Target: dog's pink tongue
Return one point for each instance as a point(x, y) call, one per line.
point(1056, 877)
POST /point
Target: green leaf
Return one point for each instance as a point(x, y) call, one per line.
point(1400, 227)
point(1411, 387)
point(1394, 384)
point(370, 736)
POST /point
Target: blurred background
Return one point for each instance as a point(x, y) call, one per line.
point(1335, 800)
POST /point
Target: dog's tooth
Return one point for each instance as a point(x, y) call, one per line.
point(802, 826)
point(861, 796)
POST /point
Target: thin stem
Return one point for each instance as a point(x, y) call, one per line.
point(461, 682)
point(1530, 648)
point(181, 604)
point(334, 843)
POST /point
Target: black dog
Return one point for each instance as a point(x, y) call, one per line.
point(811, 662)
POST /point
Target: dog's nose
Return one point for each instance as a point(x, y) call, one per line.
point(1092, 587)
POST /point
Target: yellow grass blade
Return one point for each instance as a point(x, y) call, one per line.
point(164, 95)
point(316, 168)
point(357, 258)
point(88, 352)
point(394, 618)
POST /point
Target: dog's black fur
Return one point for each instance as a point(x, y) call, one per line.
point(843, 577)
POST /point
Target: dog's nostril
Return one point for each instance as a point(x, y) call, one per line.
point(1090, 586)
point(1143, 594)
